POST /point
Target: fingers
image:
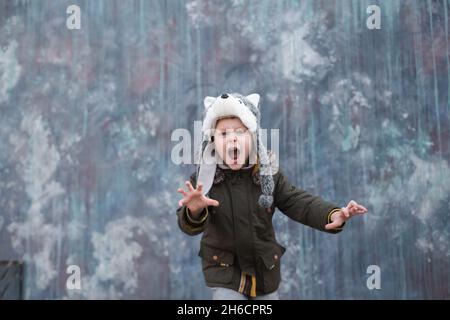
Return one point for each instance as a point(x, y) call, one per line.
point(189, 185)
point(352, 211)
point(185, 197)
point(184, 193)
point(352, 203)
point(200, 187)
point(352, 207)
point(212, 202)
point(362, 208)
point(355, 208)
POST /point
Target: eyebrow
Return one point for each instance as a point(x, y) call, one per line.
point(230, 129)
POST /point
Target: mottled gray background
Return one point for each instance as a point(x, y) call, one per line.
point(86, 118)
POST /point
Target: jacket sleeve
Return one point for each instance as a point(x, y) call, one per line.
point(189, 225)
point(302, 206)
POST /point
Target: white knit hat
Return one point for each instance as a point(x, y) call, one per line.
point(246, 108)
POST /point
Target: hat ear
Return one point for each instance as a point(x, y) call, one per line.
point(208, 101)
point(253, 98)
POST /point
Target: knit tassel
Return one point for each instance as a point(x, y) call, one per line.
point(267, 184)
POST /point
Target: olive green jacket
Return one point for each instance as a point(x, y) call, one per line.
point(238, 235)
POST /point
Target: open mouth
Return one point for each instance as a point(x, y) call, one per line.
point(233, 154)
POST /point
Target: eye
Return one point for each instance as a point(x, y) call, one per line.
point(240, 131)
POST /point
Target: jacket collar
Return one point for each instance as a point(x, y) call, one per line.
point(223, 172)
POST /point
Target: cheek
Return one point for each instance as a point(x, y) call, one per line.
point(219, 147)
point(248, 144)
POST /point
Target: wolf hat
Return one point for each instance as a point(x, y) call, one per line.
point(246, 108)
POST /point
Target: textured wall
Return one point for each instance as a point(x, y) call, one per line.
point(86, 117)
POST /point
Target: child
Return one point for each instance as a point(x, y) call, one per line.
point(239, 186)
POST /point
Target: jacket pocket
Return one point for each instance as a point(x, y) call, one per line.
point(271, 272)
point(217, 265)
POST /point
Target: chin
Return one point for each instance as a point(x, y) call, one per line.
point(235, 166)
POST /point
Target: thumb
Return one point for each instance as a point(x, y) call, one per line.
point(212, 202)
point(335, 224)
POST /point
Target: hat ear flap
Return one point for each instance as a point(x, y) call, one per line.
point(208, 101)
point(254, 99)
point(207, 169)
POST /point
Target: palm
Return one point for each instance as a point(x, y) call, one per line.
point(198, 200)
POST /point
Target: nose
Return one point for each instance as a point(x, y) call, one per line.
point(224, 96)
point(232, 137)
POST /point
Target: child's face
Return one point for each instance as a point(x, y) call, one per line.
point(232, 142)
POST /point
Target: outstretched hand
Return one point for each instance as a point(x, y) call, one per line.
point(194, 199)
point(339, 217)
